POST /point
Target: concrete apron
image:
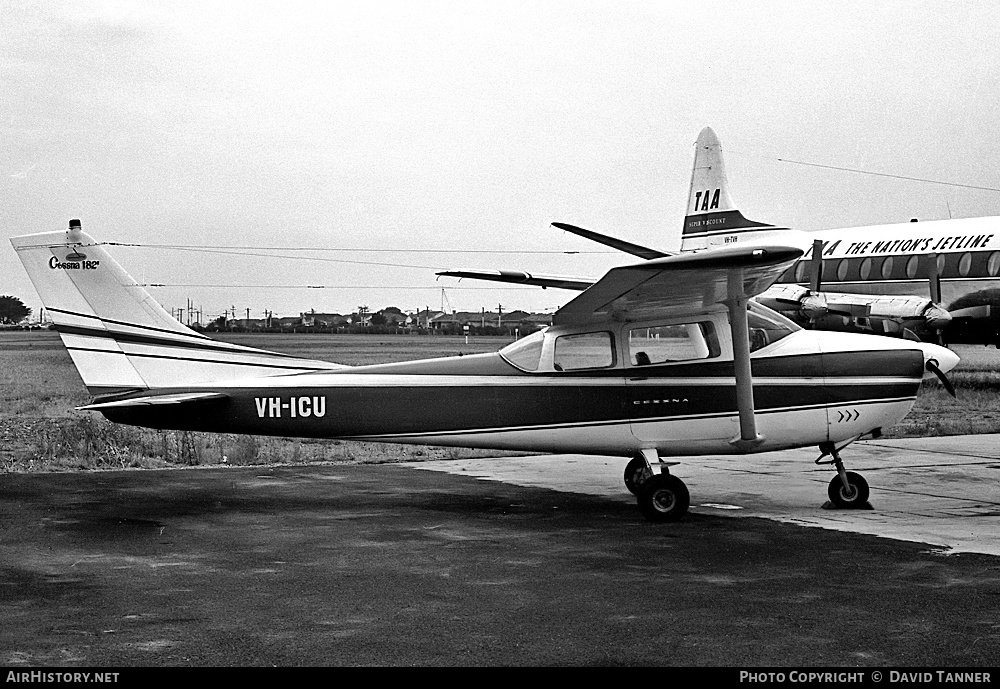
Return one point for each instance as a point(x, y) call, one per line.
point(942, 491)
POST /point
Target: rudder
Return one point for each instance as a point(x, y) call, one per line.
point(711, 217)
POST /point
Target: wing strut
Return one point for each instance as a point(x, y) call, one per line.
point(748, 438)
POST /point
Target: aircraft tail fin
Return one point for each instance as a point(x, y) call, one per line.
point(119, 337)
point(712, 218)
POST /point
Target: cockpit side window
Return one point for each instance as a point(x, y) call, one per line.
point(669, 343)
point(767, 326)
point(586, 350)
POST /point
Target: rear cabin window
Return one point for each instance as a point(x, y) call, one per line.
point(767, 326)
point(586, 350)
point(668, 343)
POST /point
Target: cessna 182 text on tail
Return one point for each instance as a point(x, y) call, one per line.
point(887, 279)
point(653, 360)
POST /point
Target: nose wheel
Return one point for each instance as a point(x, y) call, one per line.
point(852, 495)
point(847, 490)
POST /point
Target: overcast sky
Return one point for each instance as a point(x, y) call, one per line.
point(437, 127)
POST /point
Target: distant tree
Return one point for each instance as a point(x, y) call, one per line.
point(378, 319)
point(392, 309)
point(12, 310)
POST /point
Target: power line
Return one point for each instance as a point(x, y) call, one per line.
point(252, 253)
point(195, 247)
point(865, 172)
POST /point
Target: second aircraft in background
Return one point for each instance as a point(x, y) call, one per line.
point(938, 281)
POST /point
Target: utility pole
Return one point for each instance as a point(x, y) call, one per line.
point(499, 314)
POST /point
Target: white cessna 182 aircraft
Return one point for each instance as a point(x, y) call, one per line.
point(665, 358)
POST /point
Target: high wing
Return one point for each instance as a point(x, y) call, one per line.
point(560, 281)
point(680, 284)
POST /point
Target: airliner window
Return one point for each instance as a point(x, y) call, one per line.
point(965, 264)
point(994, 264)
point(669, 343)
point(866, 268)
point(842, 269)
point(767, 326)
point(911, 267)
point(526, 352)
point(800, 271)
point(587, 350)
point(887, 268)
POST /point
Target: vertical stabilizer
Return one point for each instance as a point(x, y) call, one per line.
point(118, 336)
point(711, 217)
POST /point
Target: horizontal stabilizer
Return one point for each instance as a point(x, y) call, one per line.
point(614, 243)
point(520, 278)
point(155, 400)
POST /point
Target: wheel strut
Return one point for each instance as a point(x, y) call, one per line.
point(848, 489)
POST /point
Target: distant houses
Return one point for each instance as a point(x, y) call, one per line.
point(490, 322)
point(394, 320)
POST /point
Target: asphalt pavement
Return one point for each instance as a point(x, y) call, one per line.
point(427, 564)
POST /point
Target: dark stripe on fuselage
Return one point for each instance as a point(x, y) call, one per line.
point(617, 422)
point(895, 268)
point(400, 410)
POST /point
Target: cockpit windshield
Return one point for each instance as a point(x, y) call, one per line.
point(526, 352)
point(767, 326)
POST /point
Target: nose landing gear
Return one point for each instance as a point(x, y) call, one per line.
point(847, 490)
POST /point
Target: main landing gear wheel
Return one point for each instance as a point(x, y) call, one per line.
point(636, 474)
point(854, 495)
point(663, 498)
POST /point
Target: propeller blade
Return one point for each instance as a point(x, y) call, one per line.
point(816, 266)
point(974, 312)
point(933, 367)
point(934, 277)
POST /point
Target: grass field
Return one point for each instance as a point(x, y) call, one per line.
point(39, 388)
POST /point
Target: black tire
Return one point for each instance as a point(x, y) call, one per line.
point(663, 498)
point(636, 474)
point(856, 497)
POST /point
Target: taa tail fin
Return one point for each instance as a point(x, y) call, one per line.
point(119, 337)
point(712, 218)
